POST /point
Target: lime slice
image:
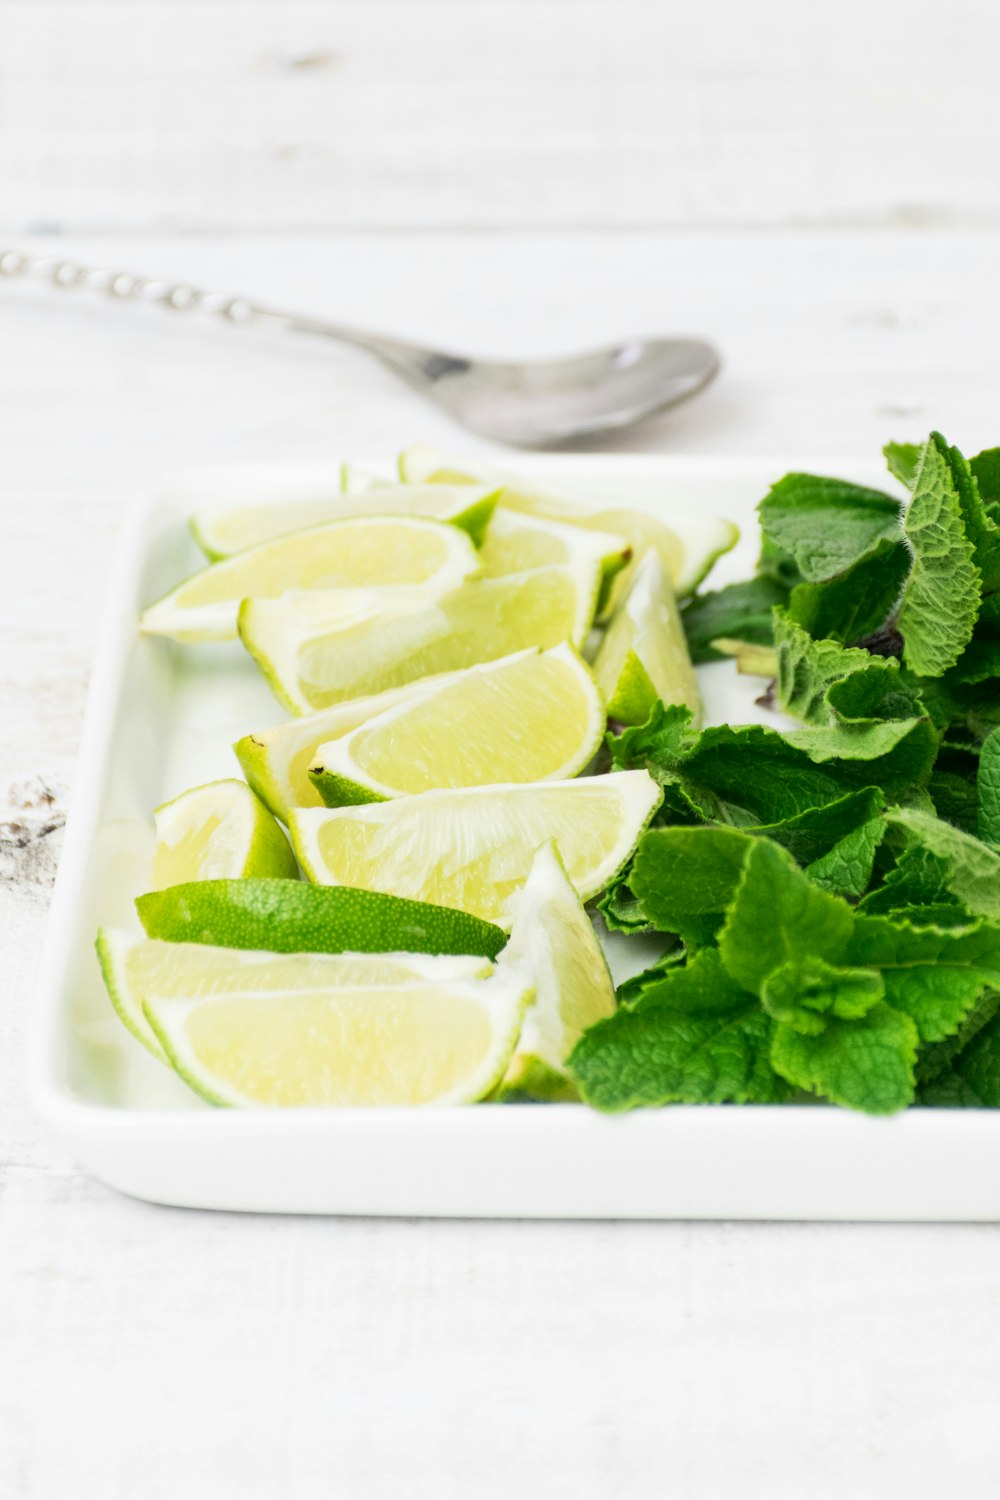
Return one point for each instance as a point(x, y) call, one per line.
point(220, 534)
point(473, 848)
point(288, 916)
point(220, 831)
point(554, 944)
point(136, 969)
point(515, 542)
point(369, 551)
point(688, 556)
point(422, 1042)
point(317, 649)
point(644, 655)
point(276, 761)
point(536, 716)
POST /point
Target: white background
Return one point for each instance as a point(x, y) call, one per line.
point(814, 188)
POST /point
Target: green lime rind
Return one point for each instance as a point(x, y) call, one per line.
point(634, 694)
point(285, 916)
point(341, 791)
point(530, 1080)
point(111, 956)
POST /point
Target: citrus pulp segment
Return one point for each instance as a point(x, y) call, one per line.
point(473, 848)
point(535, 716)
point(360, 552)
point(220, 831)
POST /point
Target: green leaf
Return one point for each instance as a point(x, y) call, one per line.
point(825, 525)
point(700, 1041)
point(685, 878)
point(955, 799)
point(986, 468)
point(896, 755)
point(918, 879)
point(857, 602)
point(980, 527)
point(988, 786)
point(656, 746)
point(937, 1057)
point(935, 975)
point(802, 992)
point(808, 669)
point(979, 662)
point(778, 917)
point(741, 611)
point(937, 613)
point(902, 460)
point(750, 775)
point(846, 868)
point(633, 989)
point(619, 907)
point(973, 868)
point(973, 1078)
point(865, 1064)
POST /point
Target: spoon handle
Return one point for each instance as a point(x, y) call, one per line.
point(180, 296)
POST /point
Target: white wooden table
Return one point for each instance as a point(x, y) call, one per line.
point(146, 1353)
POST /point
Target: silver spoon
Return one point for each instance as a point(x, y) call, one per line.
point(528, 403)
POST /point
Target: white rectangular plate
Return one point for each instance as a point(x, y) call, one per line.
point(162, 718)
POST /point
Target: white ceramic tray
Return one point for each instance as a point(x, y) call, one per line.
point(161, 718)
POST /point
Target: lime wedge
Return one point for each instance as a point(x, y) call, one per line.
point(369, 551)
point(276, 761)
point(644, 654)
point(403, 1043)
point(515, 542)
point(289, 916)
point(220, 831)
point(317, 649)
point(137, 968)
point(554, 944)
point(355, 479)
point(536, 716)
point(688, 556)
point(221, 534)
point(473, 848)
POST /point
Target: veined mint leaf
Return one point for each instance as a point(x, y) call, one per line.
point(846, 868)
point(973, 868)
point(986, 468)
point(955, 799)
point(919, 879)
point(980, 527)
point(807, 669)
point(778, 917)
point(979, 662)
point(858, 601)
point(802, 993)
point(988, 785)
point(656, 746)
point(825, 525)
point(632, 990)
point(935, 975)
point(937, 613)
point(902, 460)
point(896, 755)
point(620, 908)
point(755, 776)
point(866, 1064)
point(937, 1057)
point(973, 1077)
point(694, 1037)
point(685, 878)
point(741, 611)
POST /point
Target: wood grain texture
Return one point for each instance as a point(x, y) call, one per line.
point(147, 1354)
point(307, 115)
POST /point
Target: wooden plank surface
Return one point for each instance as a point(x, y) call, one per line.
point(147, 1354)
point(302, 114)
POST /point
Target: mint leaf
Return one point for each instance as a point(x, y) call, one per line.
point(632, 989)
point(896, 755)
point(684, 878)
point(935, 975)
point(858, 601)
point(937, 1057)
point(802, 992)
point(988, 787)
point(979, 662)
point(808, 669)
point(901, 461)
point(846, 868)
point(973, 869)
point(619, 907)
point(695, 1038)
point(919, 879)
point(937, 613)
point(980, 527)
point(825, 525)
point(986, 468)
point(973, 1077)
point(656, 746)
point(865, 1064)
point(741, 611)
point(778, 917)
